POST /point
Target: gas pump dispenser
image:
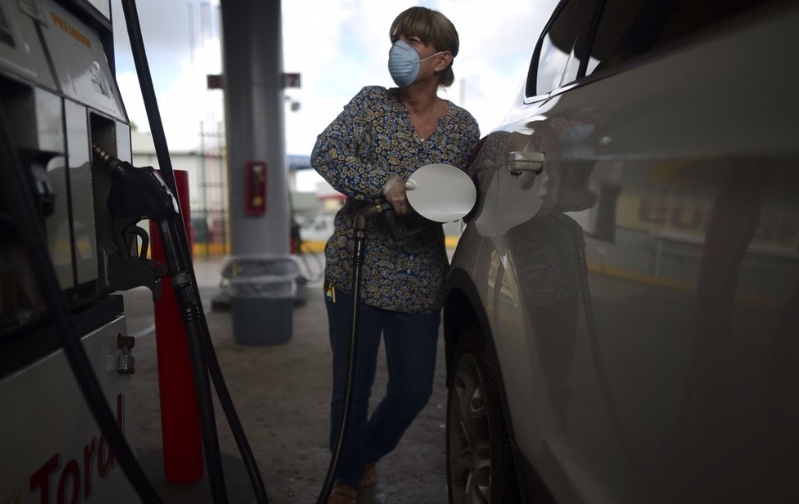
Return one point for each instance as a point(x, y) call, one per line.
point(69, 213)
point(65, 358)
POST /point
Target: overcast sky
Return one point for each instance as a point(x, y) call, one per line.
point(338, 46)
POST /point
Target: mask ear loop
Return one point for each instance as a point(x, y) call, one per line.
point(432, 56)
point(446, 66)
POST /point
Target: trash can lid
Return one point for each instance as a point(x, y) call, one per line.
point(261, 265)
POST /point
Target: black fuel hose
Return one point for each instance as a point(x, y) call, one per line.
point(188, 302)
point(359, 234)
point(19, 198)
point(206, 352)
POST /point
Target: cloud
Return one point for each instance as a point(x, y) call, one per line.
point(338, 46)
point(181, 50)
point(350, 49)
point(166, 27)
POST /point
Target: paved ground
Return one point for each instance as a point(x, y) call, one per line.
point(281, 393)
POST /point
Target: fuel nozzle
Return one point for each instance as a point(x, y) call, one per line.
point(139, 193)
point(105, 157)
point(368, 212)
point(385, 209)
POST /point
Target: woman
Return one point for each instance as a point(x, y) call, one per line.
point(381, 137)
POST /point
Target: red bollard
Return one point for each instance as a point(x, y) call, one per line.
point(180, 417)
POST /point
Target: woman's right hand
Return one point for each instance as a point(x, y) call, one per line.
point(394, 192)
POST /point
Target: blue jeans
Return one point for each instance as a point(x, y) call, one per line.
point(411, 342)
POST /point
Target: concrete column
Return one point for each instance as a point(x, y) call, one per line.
point(253, 84)
point(254, 106)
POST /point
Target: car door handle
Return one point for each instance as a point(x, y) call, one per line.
point(524, 161)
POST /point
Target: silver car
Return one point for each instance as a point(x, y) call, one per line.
point(622, 313)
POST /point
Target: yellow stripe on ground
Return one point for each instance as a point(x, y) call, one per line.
point(313, 246)
point(451, 241)
point(214, 249)
point(316, 246)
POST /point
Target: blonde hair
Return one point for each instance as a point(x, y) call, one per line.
point(431, 27)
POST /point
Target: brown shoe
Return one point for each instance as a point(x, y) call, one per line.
point(343, 494)
point(369, 477)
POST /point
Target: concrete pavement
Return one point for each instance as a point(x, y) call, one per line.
point(281, 394)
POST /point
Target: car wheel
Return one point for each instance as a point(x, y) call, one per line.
point(478, 460)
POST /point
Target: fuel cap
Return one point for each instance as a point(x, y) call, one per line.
point(441, 192)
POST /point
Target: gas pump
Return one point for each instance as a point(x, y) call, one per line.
point(65, 358)
point(69, 212)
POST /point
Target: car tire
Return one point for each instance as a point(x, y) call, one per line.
point(479, 464)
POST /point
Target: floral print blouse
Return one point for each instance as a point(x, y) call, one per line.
point(371, 139)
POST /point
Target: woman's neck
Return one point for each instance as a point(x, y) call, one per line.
point(419, 101)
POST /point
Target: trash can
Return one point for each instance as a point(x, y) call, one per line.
point(261, 290)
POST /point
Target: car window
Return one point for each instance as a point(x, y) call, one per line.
point(556, 59)
point(629, 29)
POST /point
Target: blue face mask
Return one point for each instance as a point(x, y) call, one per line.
point(404, 63)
